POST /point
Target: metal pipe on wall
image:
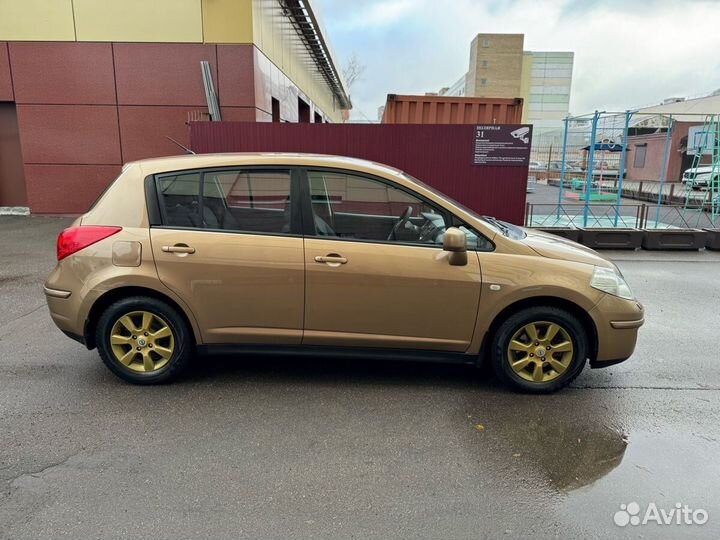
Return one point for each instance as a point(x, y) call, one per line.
point(563, 165)
point(663, 171)
point(588, 177)
point(621, 167)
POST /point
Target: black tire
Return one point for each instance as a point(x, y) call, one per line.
point(505, 332)
point(183, 340)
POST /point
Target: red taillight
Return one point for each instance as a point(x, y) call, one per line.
point(74, 239)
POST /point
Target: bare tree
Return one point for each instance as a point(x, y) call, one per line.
point(353, 70)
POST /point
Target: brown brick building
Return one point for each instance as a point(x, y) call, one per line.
point(87, 85)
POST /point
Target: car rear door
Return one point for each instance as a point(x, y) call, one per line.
point(230, 245)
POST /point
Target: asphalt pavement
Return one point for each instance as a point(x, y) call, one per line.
point(287, 448)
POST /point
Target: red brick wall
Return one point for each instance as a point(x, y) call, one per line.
point(57, 73)
point(84, 109)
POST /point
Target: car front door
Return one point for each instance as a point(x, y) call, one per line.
point(376, 274)
point(230, 245)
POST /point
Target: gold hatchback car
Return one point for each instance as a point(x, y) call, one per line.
point(308, 254)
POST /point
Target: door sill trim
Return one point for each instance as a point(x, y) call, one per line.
point(371, 353)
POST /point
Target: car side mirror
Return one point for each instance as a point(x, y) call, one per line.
point(455, 242)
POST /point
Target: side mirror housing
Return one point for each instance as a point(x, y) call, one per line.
point(455, 242)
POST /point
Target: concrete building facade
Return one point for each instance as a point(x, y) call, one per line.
point(500, 68)
point(87, 85)
point(546, 82)
point(496, 62)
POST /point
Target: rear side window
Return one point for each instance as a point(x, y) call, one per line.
point(243, 200)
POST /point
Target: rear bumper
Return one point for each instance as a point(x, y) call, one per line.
point(62, 312)
point(75, 337)
point(62, 304)
point(56, 293)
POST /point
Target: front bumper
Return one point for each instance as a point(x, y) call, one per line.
point(627, 325)
point(617, 322)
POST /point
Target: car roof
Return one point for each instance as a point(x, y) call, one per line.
point(196, 161)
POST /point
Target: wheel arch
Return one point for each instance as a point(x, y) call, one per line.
point(542, 301)
point(113, 295)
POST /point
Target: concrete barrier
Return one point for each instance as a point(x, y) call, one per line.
point(712, 240)
point(674, 239)
point(615, 238)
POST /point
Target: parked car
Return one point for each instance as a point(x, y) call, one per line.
point(570, 167)
point(537, 166)
point(699, 178)
point(304, 254)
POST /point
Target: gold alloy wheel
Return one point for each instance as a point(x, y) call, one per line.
point(142, 341)
point(540, 352)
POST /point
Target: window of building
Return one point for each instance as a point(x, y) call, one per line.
point(558, 73)
point(561, 59)
point(318, 118)
point(483, 63)
point(640, 152)
point(486, 43)
point(303, 111)
point(483, 82)
point(275, 110)
point(548, 106)
point(256, 201)
point(550, 98)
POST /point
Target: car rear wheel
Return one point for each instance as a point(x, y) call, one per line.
point(539, 350)
point(143, 340)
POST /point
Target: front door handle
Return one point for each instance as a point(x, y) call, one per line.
point(178, 248)
point(333, 259)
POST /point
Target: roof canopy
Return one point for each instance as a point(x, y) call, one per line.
point(306, 23)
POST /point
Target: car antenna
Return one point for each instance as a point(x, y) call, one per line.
point(187, 150)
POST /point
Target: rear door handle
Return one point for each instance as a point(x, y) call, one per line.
point(178, 248)
point(332, 259)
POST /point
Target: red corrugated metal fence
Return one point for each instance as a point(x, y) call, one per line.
point(439, 155)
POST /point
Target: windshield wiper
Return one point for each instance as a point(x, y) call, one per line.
point(499, 224)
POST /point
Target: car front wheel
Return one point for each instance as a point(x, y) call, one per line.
point(539, 350)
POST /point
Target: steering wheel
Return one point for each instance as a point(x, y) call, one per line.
point(404, 217)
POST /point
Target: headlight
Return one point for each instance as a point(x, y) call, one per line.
point(611, 282)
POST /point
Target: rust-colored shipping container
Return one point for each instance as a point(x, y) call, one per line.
point(451, 110)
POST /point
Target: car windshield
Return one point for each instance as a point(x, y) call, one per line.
point(503, 227)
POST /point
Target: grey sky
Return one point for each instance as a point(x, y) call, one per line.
point(627, 53)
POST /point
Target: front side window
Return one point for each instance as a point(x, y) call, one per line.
point(355, 207)
point(255, 201)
